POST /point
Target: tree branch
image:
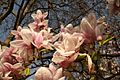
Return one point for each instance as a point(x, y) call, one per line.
point(9, 10)
point(111, 55)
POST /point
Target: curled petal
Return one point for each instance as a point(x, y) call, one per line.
point(38, 40)
point(5, 77)
point(89, 63)
point(26, 35)
point(39, 12)
point(57, 58)
point(86, 27)
point(88, 31)
point(99, 30)
point(17, 43)
point(91, 18)
point(45, 15)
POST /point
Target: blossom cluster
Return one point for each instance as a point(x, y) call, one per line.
point(38, 35)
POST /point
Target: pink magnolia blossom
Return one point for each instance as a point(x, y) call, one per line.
point(7, 67)
point(91, 29)
point(26, 35)
point(51, 73)
point(7, 56)
point(37, 26)
point(37, 40)
point(39, 16)
point(40, 21)
point(68, 49)
point(22, 47)
point(29, 36)
point(23, 50)
point(42, 39)
point(70, 44)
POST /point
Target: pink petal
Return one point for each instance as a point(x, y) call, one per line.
point(57, 58)
point(38, 40)
point(43, 73)
point(91, 18)
point(73, 57)
point(45, 15)
point(58, 74)
point(52, 68)
point(88, 31)
point(89, 63)
point(17, 43)
point(26, 35)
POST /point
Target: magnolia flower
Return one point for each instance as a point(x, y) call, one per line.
point(7, 56)
point(22, 49)
point(68, 49)
point(113, 6)
point(91, 29)
point(26, 35)
point(51, 73)
point(70, 44)
point(42, 39)
point(39, 16)
point(29, 36)
point(38, 26)
point(6, 67)
point(37, 40)
point(40, 21)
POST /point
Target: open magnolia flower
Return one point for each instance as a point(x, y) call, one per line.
point(113, 6)
point(68, 49)
point(42, 39)
point(91, 28)
point(39, 21)
point(38, 39)
point(39, 16)
point(70, 44)
point(7, 67)
point(51, 73)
